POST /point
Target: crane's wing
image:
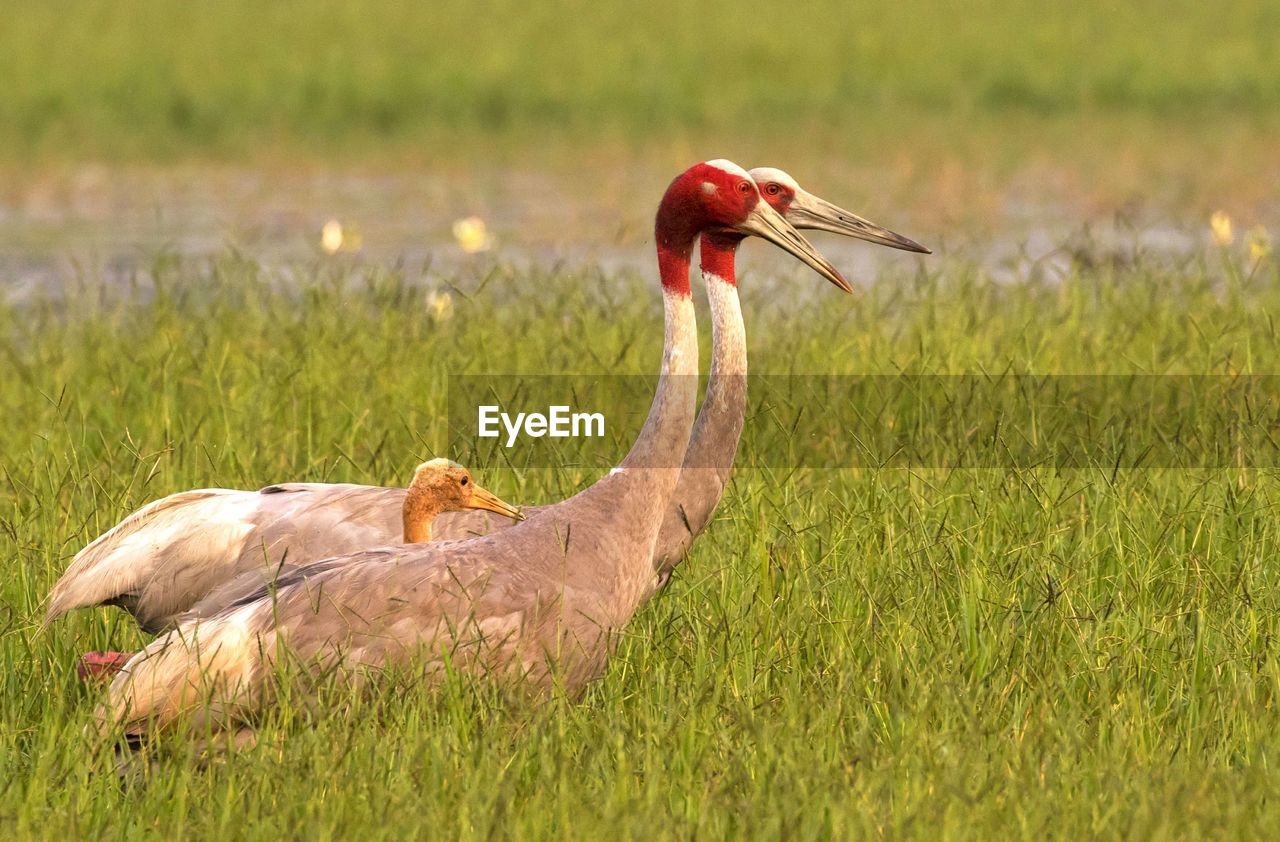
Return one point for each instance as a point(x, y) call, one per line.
point(161, 560)
point(361, 609)
point(261, 579)
point(456, 603)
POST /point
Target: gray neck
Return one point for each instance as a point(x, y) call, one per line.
point(716, 433)
point(666, 430)
point(633, 499)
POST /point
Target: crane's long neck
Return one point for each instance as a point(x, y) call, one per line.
point(604, 536)
point(665, 435)
point(633, 499)
point(718, 428)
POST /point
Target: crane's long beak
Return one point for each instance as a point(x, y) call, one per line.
point(766, 222)
point(482, 499)
point(808, 211)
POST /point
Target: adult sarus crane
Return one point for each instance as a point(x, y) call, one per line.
point(535, 604)
point(178, 554)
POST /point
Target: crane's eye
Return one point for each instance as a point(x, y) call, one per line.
point(464, 480)
point(744, 187)
point(772, 189)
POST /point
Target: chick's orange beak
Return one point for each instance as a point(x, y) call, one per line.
point(489, 502)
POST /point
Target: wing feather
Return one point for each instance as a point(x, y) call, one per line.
point(162, 560)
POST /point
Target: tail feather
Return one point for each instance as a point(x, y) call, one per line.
point(197, 670)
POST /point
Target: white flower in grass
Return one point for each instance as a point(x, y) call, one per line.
point(334, 237)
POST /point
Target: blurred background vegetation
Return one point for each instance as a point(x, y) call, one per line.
point(977, 119)
point(146, 79)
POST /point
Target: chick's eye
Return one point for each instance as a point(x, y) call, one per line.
point(465, 480)
point(744, 187)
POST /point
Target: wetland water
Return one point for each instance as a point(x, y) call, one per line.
point(101, 225)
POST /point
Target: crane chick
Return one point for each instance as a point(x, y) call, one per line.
point(440, 486)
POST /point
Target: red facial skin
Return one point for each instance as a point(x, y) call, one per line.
point(779, 196)
point(719, 248)
point(688, 208)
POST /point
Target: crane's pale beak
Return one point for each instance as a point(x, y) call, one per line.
point(482, 499)
point(808, 211)
point(767, 223)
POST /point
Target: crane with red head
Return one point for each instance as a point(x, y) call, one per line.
point(539, 603)
point(305, 522)
point(718, 428)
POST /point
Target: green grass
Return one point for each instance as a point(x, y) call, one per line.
point(158, 79)
point(904, 653)
point(910, 653)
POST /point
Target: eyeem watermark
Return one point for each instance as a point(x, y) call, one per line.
point(558, 422)
point(1109, 421)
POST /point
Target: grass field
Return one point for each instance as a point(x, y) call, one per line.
point(913, 653)
point(906, 653)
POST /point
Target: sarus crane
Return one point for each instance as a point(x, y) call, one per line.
point(538, 603)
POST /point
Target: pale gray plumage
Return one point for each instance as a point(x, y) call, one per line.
point(162, 559)
point(542, 597)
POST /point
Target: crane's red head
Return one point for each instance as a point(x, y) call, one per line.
point(720, 246)
point(776, 187)
point(711, 194)
point(721, 195)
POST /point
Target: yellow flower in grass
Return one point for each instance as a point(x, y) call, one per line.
point(472, 235)
point(335, 238)
point(1220, 227)
point(331, 237)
